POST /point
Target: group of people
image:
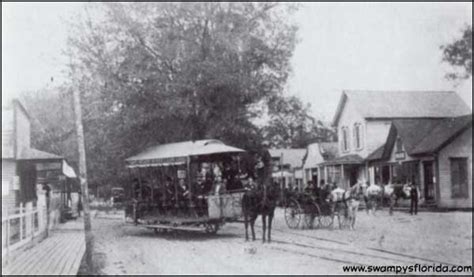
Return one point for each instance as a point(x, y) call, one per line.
point(411, 192)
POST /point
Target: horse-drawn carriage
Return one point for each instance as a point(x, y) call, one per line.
point(193, 186)
point(314, 210)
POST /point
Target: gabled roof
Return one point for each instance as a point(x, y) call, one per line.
point(293, 157)
point(443, 134)
point(34, 154)
point(378, 154)
point(422, 136)
point(15, 103)
point(403, 104)
point(319, 152)
point(412, 131)
point(329, 150)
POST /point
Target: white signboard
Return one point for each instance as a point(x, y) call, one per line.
point(5, 187)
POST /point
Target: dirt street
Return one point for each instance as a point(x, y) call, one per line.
point(401, 239)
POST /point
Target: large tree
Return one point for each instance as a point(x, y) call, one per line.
point(290, 124)
point(459, 55)
point(152, 73)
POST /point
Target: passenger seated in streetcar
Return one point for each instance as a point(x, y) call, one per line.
point(219, 186)
point(206, 186)
point(169, 196)
point(250, 185)
point(183, 194)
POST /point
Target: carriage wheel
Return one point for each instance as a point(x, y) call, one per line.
point(326, 221)
point(293, 214)
point(312, 215)
point(212, 228)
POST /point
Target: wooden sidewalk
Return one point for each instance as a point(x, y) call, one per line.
point(59, 254)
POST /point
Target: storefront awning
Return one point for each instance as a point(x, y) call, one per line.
point(68, 171)
point(347, 159)
point(280, 174)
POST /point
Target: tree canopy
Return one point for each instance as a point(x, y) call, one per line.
point(459, 54)
point(152, 73)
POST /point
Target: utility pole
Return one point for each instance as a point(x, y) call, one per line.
point(83, 177)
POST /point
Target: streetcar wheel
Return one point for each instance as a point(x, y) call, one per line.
point(312, 216)
point(293, 214)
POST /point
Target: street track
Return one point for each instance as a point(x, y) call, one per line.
point(344, 252)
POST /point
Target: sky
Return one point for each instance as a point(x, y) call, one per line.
point(374, 46)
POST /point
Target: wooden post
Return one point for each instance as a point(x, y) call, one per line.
point(152, 184)
point(7, 242)
point(29, 220)
point(83, 177)
point(140, 193)
point(175, 168)
point(191, 201)
point(342, 177)
point(21, 220)
point(282, 182)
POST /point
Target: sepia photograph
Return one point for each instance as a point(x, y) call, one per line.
point(236, 138)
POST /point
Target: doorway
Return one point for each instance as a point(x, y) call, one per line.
point(353, 174)
point(428, 174)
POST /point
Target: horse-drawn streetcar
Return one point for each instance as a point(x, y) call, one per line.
point(192, 186)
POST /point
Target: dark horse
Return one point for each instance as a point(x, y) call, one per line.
point(259, 201)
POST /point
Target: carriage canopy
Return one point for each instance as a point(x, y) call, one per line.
point(179, 152)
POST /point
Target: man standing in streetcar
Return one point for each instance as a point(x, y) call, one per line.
point(183, 194)
point(169, 195)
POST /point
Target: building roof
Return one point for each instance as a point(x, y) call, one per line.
point(377, 154)
point(422, 136)
point(329, 150)
point(346, 159)
point(403, 104)
point(177, 153)
point(319, 152)
point(442, 134)
point(293, 157)
point(412, 131)
point(34, 154)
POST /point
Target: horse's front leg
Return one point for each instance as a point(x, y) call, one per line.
point(264, 226)
point(246, 223)
point(390, 212)
point(252, 226)
point(270, 219)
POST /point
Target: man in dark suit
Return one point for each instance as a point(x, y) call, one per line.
point(414, 199)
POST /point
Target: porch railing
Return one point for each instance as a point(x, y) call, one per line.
point(21, 225)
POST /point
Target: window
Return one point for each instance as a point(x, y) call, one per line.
point(345, 139)
point(399, 145)
point(358, 136)
point(459, 186)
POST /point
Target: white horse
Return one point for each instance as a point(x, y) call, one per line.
point(390, 192)
point(346, 201)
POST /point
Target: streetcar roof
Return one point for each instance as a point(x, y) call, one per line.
point(177, 153)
